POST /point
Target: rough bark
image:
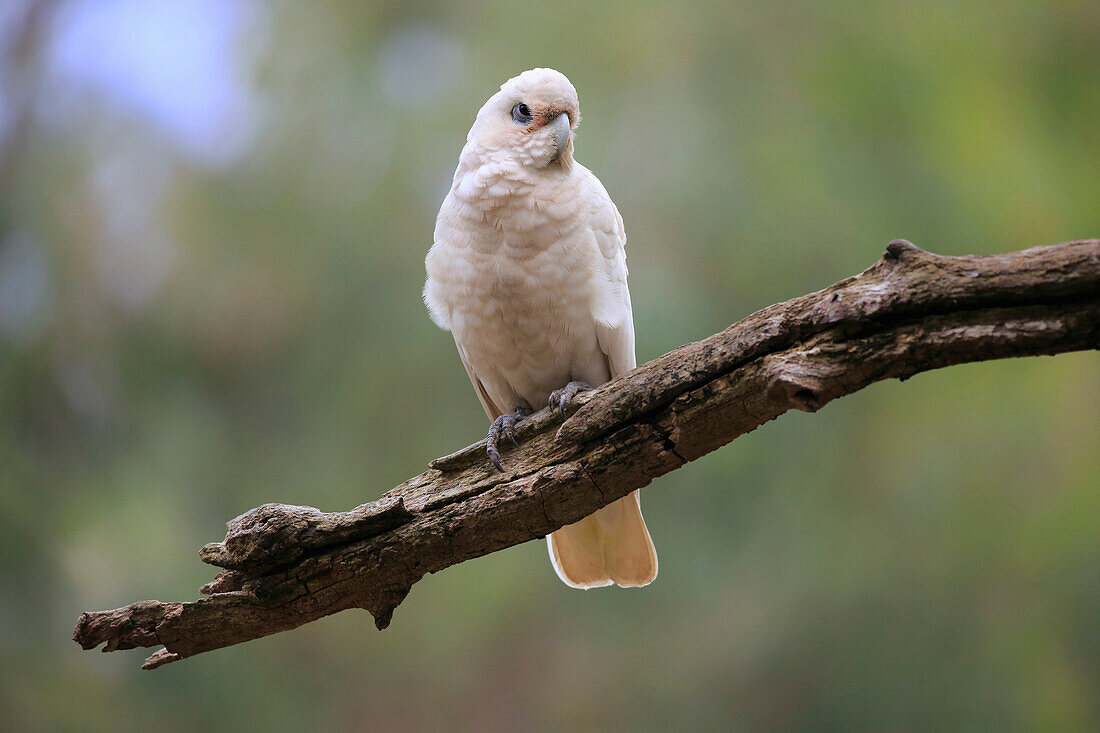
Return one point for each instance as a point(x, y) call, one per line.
point(284, 566)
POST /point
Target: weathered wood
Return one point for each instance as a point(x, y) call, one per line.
point(285, 566)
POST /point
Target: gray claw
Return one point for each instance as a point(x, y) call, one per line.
point(503, 426)
point(560, 398)
point(494, 457)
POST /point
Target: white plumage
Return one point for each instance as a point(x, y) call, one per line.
point(528, 272)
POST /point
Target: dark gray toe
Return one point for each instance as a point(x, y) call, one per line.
point(562, 398)
point(503, 426)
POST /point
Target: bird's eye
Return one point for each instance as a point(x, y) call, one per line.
point(521, 114)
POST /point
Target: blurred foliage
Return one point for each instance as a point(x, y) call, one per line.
point(213, 218)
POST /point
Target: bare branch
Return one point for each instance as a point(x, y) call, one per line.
point(912, 311)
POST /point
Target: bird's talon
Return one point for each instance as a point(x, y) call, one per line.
point(561, 398)
point(503, 426)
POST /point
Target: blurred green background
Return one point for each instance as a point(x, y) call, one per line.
point(213, 219)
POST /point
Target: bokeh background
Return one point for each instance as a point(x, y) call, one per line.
point(213, 218)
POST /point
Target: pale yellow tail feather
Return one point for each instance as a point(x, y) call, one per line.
point(575, 554)
point(628, 553)
point(610, 546)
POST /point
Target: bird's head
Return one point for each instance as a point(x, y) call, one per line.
point(531, 119)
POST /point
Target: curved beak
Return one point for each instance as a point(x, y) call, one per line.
point(559, 127)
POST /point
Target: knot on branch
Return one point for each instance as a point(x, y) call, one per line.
point(900, 248)
point(382, 606)
point(795, 379)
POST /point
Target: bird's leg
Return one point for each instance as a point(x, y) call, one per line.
point(560, 398)
point(502, 426)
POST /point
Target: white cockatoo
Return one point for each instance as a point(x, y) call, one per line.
point(528, 272)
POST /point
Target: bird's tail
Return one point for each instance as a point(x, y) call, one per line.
point(610, 546)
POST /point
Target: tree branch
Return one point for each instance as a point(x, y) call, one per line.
point(284, 566)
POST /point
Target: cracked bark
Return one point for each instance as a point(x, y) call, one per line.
point(284, 566)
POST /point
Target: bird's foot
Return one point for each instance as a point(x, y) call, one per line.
point(502, 427)
point(560, 398)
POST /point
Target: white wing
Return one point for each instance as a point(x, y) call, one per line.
point(491, 408)
point(614, 319)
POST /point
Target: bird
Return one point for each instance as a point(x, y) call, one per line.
point(527, 270)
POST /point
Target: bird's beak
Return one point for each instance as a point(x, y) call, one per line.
point(559, 127)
